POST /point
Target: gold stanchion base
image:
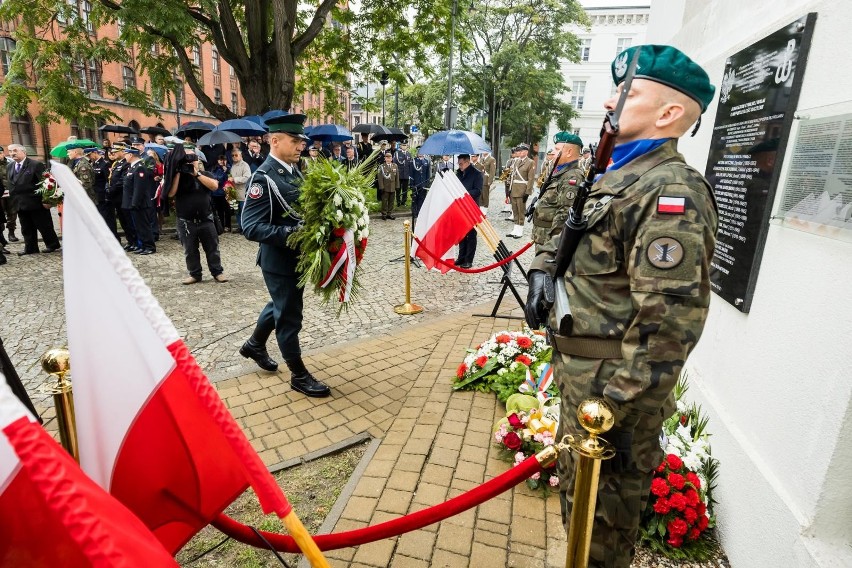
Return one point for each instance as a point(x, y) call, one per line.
point(407, 309)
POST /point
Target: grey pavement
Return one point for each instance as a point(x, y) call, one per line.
point(214, 319)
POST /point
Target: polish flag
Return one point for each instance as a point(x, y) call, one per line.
point(152, 430)
point(53, 515)
point(447, 215)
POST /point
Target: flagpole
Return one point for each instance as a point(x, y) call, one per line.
point(306, 544)
point(56, 362)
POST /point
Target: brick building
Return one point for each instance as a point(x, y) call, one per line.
point(218, 78)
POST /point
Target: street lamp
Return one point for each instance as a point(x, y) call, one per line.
point(384, 81)
point(448, 115)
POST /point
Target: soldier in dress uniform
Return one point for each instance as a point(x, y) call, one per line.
point(115, 192)
point(639, 286)
point(101, 170)
point(388, 180)
point(403, 160)
point(506, 177)
point(420, 175)
point(559, 189)
point(489, 167)
point(139, 190)
point(520, 188)
point(82, 168)
point(269, 218)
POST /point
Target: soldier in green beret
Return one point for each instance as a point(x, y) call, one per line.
point(559, 190)
point(639, 288)
point(82, 168)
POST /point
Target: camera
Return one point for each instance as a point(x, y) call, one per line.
point(191, 158)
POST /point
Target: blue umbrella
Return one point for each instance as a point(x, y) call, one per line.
point(274, 114)
point(255, 118)
point(242, 127)
point(158, 148)
point(329, 133)
point(454, 142)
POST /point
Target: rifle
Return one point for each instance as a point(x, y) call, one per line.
point(575, 225)
point(543, 189)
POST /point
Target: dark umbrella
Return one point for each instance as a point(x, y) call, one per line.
point(154, 130)
point(371, 128)
point(194, 129)
point(393, 135)
point(329, 133)
point(242, 127)
point(273, 114)
point(217, 136)
point(454, 142)
point(118, 129)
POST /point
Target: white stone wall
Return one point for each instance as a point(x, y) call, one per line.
point(777, 382)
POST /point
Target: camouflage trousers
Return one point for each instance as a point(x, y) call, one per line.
point(621, 497)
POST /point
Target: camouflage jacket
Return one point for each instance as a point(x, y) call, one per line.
point(555, 199)
point(86, 174)
point(640, 276)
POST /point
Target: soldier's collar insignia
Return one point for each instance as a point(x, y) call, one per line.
point(665, 253)
point(255, 191)
point(671, 205)
point(281, 171)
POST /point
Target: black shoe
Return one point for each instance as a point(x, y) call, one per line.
point(465, 266)
point(26, 253)
point(251, 350)
point(384, 217)
point(145, 252)
point(309, 386)
point(13, 238)
point(391, 217)
point(51, 249)
point(130, 248)
point(4, 250)
point(3, 260)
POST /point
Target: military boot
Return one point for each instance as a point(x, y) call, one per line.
point(254, 350)
point(302, 381)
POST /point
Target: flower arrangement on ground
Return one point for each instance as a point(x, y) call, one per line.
point(500, 364)
point(679, 511)
point(336, 224)
point(529, 427)
point(50, 192)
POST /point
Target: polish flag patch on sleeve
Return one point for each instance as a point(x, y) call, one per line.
point(671, 205)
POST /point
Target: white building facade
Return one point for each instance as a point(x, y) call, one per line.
point(615, 26)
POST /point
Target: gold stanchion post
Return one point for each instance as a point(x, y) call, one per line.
point(56, 362)
point(596, 416)
point(407, 308)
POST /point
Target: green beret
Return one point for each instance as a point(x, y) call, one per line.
point(290, 123)
point(669, 66)
point(568, 138)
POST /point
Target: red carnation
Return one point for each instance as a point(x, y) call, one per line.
point(662, 467)
point(673, 462)
point(677, 501)
point(701, 508)
point(515, 421)
point(702, 522)
point(662, 506)
point(690, 515)
point(692, 498)
point(677, 527)
point(524, 360)
point(675, 541)
point(659, 487)
point(693, 534)
point(693, 479)
point(512, 441)
point(461, 370)
point(481, 360)
point(338, 232)
point(523, 341)
point(676, 480)
point(363, 243)
point(683, 419)
point(503, 338)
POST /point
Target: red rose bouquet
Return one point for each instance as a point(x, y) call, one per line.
point(51, 194)
point(527, 429)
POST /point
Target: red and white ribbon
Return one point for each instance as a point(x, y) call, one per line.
point(344, 263)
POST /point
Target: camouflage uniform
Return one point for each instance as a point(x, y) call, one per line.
point(639, 286)
point(86, 174)
point(555, 199)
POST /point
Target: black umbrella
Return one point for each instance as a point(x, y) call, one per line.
point(217, 136)
point(118, 129)
point(154, 130)
point(371, 128)
point(393, 135)
point(194, 129)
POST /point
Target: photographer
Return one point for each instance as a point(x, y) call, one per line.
point(191, 188)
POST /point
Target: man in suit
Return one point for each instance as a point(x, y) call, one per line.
point(471, 179)
point(8, 215)
point(269, 219)
point(254, 157)
point(351, 160)
point(24, 176)
point(364, 147)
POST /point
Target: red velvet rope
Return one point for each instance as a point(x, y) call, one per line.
point(407, 523)
point(498, 264)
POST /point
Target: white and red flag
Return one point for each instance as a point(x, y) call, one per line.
point(151, 428)
point(447, 215)
point(52, 514)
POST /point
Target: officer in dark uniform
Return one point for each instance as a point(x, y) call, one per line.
point(115, 195)
point(403, 161)
point(139, 188)
point(269, 219)
point(101, 170)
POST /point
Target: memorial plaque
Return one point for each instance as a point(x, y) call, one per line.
point(758, 94)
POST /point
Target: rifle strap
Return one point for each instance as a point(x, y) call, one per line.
point(588, 347)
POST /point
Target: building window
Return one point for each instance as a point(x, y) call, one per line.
point(95, 83)
point(155, 49)
point(196, 56)
point(88, 133)
point(7, 49)
point(199, 105)
point(129, 76)
point(234, 108)
point(356, 120)
point(585, 48)
point(22, 130)
point(134, 125)
point(217, 96)
point(623, 43)
point(85, 13)
point(231, 72)
point(82, 78)
point(215, 56)
point(180, 99)
point(578, 93)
